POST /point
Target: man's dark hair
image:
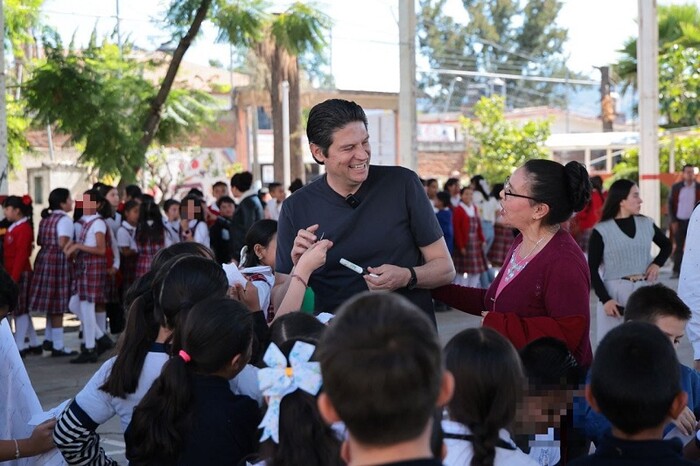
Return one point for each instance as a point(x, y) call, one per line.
point(133, 191)
point(274, 185)
point(382, 368)
point(296, 185)
point(219, 184)
point(225, 200)
point(329, 116)
point(242, 181)
point(444, 197)
point(635, 377)
point(648, 303)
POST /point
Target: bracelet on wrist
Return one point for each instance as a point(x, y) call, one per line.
point(16, 449)
point(303, 282)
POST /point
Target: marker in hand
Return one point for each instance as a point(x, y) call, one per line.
point(356, 268)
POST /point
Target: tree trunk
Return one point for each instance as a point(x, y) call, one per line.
point(276, 74)
point(295, 127)
point(153, 118)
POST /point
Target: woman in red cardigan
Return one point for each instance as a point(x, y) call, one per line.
point(17, 248)
point(543, 289)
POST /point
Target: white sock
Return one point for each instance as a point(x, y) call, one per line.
point(48, 331)
point(74, 305)
point(33, 338)
point(21, 327)
point(87, 314)
point(57, 338)
point(101, 321)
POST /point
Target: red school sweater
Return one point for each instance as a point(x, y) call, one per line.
point(549, 298)
point(17, 249)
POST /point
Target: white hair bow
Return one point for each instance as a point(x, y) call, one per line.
point(277, 380)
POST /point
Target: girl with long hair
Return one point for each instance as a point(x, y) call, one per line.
point(488, 386)
point(50, 290)
point(158, 304)
point(193, 224)
point(189, 415)
point(150, 236)
point(621, 242)
point(258, 262)
point(17, 249)
point(126, 240)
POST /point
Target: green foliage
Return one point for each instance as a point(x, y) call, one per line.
point(21, 16)
point(686, 150)
point(679, 86)
point(240, 23)
point(101, 101)
point(508, 36)
point(502, 146)
point(300, 29)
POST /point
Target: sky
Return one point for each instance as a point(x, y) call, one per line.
point(363, 49)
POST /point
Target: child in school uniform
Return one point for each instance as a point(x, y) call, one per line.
point(113, 305)
point(126, 240)
point(193, 225)
point(220, 231)
point(17, 249)
point(150, 236)
point(258, 262)
point(171, 220)
point(51, 284)
point(189, 415)
point(488, 386)
point(90, 273)
point(122, 381)
point(443, 207)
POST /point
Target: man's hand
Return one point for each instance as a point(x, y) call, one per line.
point(686, 422)
point(391, 277)
point(303, 241)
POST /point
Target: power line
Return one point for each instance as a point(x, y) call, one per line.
point(582, 82)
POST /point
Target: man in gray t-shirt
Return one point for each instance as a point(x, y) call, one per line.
point(377, 217)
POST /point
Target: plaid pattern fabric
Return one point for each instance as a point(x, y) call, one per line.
point(25, 283)
point(503, 240)
point(90, 271)
point(147, 251)
point(474, 261)
point(51, 284)
point(128, 270)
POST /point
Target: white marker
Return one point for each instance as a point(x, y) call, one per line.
point(355, 268)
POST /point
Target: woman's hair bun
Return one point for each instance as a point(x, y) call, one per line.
point(579, 185)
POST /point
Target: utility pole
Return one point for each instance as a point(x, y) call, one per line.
point(407, 93)
point(286, 148)
point(607, 107)
point(4, 160)
point(119, 31)
point(648, 85)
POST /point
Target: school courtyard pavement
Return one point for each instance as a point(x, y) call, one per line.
point(55, 380)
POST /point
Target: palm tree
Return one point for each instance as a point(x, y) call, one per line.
point(678, 25)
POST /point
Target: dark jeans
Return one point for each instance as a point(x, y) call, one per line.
point(679, 242)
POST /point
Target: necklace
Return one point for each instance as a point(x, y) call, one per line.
point(515, 266)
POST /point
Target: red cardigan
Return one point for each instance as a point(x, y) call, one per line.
point(460, 223)
point(549, 298)
point(17, 249)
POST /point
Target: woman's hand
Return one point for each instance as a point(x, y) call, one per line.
point(652, 273)
point(41, 439)
point(611, 308)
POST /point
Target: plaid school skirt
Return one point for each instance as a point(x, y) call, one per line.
point(51, 283)
point(473, 262)
point(24, 285)
point(90, 277)
point(502, 241)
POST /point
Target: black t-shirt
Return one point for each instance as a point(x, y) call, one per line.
point(393, 220)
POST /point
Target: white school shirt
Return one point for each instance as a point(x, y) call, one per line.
point(264, 287)
point(126, 237)
point(460, 452)
point(273, 209)
point(172, 230)
point(246, 383)
point(64, 227)
point(101, 406)
point(96, 227)
point(489, 209)
point(201, 233)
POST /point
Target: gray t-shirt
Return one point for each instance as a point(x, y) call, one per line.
point(393, 220)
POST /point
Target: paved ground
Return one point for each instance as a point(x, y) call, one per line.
point(56, 380)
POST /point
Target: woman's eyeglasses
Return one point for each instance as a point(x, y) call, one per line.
point(508, 193)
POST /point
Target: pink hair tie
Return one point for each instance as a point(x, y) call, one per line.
point(185, 357)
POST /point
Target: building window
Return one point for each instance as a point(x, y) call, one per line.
point(38, 190)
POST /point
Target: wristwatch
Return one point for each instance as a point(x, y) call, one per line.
point(413, 281)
